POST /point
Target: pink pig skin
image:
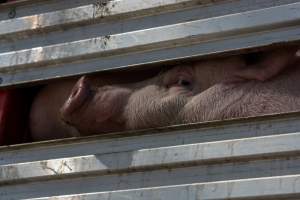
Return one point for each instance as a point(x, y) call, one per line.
point(206, 90)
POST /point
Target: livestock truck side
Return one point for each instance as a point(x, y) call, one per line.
point(42, 41)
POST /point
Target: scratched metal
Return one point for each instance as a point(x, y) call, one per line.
point(285, 187)
point(76, 32)
point(77, 186)
point(246, 158)
point(152, 138)
point(225, 26)
point(169, 136)
point(179, 34)
point(268, 146)
point(99, 10)
point(252, 158)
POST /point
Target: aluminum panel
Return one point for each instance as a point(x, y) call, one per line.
point(99, 10)
point(179, 34)
point(251, 158)
point(287, 187)
point(153, 138)
point(220, 155)
point(168, 177)
point(240, 149)
point(198, 36)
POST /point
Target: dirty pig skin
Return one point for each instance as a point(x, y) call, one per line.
point(205, 90)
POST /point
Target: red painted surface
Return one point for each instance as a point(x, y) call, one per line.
point(4, 96)
point(14, 112)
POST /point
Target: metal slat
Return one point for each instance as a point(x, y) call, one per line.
point(197, 37)
point(271, 188)
point(255, 158)
point(133, 141)
point(59, 70)
point(172, 176)
point(231, 150)
point(34, 7)
point(177, 157)
point(101, 28)
point(179, 34)
point(101, 10)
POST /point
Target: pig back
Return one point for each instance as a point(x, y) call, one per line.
point(244, 99)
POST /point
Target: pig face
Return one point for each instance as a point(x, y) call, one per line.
point(151, 103)
point(91, 109)
point(154, 102)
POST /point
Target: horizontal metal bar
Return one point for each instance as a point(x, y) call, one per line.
point(183, 34)
point(273, 188)
point(260, 147)
point(200, 154)
point(101, 10)
point(68, 185)
point(34, 7)
point(189, 39)
point(97, 28)
point(34, 74)
point(149, 139)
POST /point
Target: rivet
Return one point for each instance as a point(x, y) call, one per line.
point(12, 13)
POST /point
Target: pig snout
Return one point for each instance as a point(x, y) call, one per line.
point(95, 110)
point(78, 95)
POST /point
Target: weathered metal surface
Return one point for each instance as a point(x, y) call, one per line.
point(239, 149)
point(178, 34)
point(286, 187)
point(153, 138)
point(77, 40)
point(246, 158)
point(143, 180)
point(252, 158)
point(102, 10)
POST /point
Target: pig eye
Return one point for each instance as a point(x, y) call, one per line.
point(184, 83)
point(180, 81)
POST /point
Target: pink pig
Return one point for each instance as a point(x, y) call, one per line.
point(204, 90)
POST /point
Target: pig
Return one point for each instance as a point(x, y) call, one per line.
point(206, 90)
point(45, 121)
point(245, 99)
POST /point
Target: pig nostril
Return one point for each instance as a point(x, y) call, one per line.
point(78, 96)
point(75, 92)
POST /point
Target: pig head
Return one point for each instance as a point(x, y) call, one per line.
point(201, 91)
point(95, 108)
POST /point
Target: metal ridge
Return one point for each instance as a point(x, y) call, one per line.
point(266, 188)
point(153, 158)
point(179, 34)
point(97, 11)
point(231, 32)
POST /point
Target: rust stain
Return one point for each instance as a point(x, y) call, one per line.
point(102, 8)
